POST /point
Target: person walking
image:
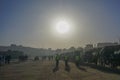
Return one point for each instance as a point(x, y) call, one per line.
point(66, 61)
point(57, 58)
point(77, 60)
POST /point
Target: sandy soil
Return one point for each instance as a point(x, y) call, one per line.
point(44, 71)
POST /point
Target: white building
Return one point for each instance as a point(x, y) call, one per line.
point(100, 45)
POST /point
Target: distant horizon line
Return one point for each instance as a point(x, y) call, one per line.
point(94, 45)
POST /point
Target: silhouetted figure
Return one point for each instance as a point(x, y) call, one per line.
point(66, 61)
point(67, 67)
point(77, 60)
point(7, 59)
point(57, 58)
point(23, 58)
point(36, 58)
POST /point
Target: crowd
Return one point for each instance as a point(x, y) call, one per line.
point(5, 59)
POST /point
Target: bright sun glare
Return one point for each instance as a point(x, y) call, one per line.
point(62, 27)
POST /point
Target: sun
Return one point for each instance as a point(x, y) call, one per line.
point(62, 27)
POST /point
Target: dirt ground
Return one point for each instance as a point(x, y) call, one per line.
point(38, 70)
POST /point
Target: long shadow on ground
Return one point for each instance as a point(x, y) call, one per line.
point(81, 68)
point(103, 69)
point(55, 69)
point(67, 68)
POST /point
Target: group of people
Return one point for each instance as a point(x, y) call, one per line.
point(5, 59)
point(66, 60)
point(47, 57)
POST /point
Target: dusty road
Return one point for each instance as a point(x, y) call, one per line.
point(44, 71)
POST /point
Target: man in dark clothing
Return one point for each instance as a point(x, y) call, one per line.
point(57, 58)
point(77, 60)
point(7, 59)
point(66, 61)
point(67, 67)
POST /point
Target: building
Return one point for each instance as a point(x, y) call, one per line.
point(88, 47)
point(100, 45)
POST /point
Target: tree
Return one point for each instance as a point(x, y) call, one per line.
point(108, 56)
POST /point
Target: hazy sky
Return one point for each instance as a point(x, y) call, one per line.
point(32, 22)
